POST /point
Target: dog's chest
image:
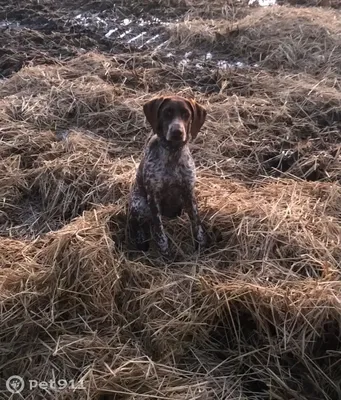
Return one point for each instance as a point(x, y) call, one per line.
point(170, 172)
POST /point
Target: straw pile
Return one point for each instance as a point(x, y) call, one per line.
point(257, 314)
point(302, 39)
point(312, 3)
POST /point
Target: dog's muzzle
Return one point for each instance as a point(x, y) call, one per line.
point(176, 132)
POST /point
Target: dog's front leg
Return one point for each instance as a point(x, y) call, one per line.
point(159, 232)
point(192, 210)
point(138, 217)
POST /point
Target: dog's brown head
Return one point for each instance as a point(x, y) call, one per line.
point(175, 119)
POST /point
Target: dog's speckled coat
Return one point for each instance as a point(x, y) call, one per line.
point(165, 178)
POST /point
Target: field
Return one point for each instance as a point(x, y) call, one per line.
point(254, 316)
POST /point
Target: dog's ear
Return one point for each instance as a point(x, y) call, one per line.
point(151, 109)
point(198, 117)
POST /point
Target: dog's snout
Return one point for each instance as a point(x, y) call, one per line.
point(176, 132)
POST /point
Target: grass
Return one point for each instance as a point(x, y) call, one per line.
point(256, 315)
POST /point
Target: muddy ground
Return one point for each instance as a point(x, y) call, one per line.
point(41, 32)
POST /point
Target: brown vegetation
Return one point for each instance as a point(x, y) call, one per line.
point(312, 3)
point(254, 316)
point(302, 39)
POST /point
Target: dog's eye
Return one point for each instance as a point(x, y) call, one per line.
point(185, 115)
point(168, 112)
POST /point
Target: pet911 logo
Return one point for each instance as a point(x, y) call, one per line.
point(16, 384)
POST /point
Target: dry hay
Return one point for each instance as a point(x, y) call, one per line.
point(312, 3)
point(256, 315)
point(85, 66)
point(275, 119)
point(58, 179)
point(76, 275)
point(108, 320)
point(272, 124)
point(304, 39)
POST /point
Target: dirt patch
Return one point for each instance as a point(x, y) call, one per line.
point(255, 314)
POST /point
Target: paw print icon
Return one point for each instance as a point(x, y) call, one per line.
point(15, 384)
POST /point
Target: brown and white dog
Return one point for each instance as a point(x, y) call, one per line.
point(165, 178)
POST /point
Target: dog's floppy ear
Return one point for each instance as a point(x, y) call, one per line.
point(151, 109)
point(198, 117)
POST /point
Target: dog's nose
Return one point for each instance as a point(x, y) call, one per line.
point(176, 134)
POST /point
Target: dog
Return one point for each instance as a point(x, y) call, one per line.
point(165, 177)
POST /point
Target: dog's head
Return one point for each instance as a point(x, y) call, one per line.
point(175, 119)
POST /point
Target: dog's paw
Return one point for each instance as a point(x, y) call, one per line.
point(165, 252)
point(140, 239)
point(201, 239)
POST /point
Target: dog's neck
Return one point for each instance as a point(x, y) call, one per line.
point(171, 149)
point(173, 152)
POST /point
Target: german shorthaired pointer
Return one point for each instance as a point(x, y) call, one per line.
point(165, 178)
